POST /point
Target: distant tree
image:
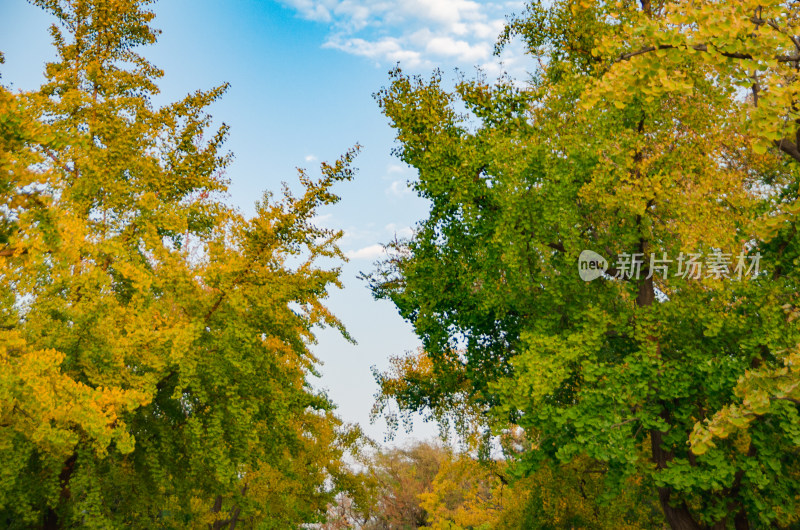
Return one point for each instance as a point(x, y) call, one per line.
point(428, 485)
point(153, 341)
point(401, 476)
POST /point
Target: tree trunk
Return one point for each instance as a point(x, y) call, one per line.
point(740, 522)
point(52, 520)
point(678, 517)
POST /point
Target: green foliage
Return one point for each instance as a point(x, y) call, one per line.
point(746, 46)
point(596, 154)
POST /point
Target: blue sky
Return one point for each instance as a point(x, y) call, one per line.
point(302, 75)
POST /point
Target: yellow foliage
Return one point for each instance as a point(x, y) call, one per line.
point(54, 411)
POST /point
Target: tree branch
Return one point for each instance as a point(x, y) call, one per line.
point(788, 147)
point(12, 251)
point(703, 48)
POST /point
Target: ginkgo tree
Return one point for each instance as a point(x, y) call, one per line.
point(154, 343)
point(754, 48)
point(612, 151)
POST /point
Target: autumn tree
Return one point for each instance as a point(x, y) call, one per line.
point(752, 47)
point(401, 475)
point(432, 485)
point(154, 348)
point(475, 489)
point(661, 166)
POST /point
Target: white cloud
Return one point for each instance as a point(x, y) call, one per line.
point(311, 158)
point(357, 236)
point(387, 48)
point(419, 34)
point(311, 9)
point(395, 168)
point(399, 189)
point(445, 12)
point(402, 232)
point(323, 220)
point(460, 49)
point(372, 252)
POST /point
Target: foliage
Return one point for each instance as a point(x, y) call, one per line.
point(428, 485)
point(463, 494)
point(747, 46)
point(412, 378)
point(401, 476)
point(154, 353)
point(388, 488)
point(623, 369)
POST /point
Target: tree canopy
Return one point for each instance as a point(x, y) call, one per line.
point(633, 140)
point(605, 288)
point(155, 342)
